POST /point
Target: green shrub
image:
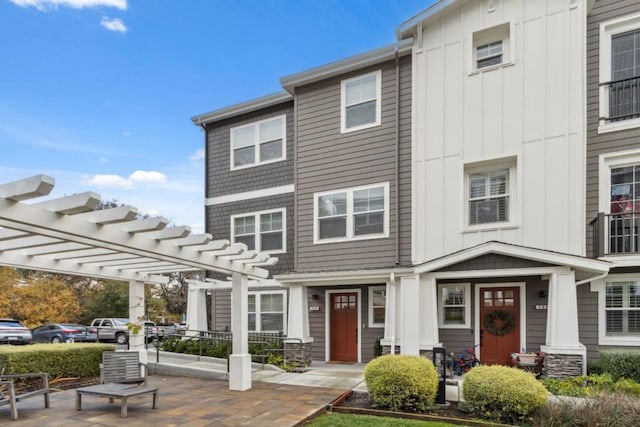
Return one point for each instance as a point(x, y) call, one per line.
point(621, 363)
point(594, 367)
point(502, 393)
point(400, 382)
point(57, 360)
point(627, 387)
point(590, 385)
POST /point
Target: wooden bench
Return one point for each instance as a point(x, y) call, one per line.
point(11, 395)
point(122, 376)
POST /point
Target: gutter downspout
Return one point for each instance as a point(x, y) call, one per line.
point(392, 304)
point(397, 162)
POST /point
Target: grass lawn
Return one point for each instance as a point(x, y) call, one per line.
point(338, 420)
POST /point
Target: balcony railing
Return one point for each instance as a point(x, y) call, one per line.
point(616, 233)
point(623, 98)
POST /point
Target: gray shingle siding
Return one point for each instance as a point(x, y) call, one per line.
point(221, 180)
point(328, 160)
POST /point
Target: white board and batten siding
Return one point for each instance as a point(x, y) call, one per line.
point(529, 112)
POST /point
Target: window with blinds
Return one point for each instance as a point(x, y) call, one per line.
point(622, 308)
point(489, 197)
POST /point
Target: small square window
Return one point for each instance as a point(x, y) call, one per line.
point(491, 47)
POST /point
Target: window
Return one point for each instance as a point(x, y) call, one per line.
point(266, 311)
point(618, 309)
point(377, 306)
point(258, 143)
point(625, 203)
point(620, 74)
point(351, 214)
point(492, 48)
point(454, 309)
point(261, 231)
point(489, 197)
point(361, 101)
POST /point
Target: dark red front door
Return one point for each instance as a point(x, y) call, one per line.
point(344, 327)
point(496, 348)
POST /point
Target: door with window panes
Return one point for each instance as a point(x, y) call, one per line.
point(498, 339)
point(344, 327)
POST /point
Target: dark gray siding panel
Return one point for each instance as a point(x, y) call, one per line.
point(219, 225)
point(221, 310)
point(328, 160)
point(598, 144)
point(537, 291)
point(588, 319)
point(493, 261)
point(221, 180)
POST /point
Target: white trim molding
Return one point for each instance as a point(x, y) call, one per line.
point(248, 195)
point(327, 320)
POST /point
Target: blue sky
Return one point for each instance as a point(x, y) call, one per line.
point(99, 93)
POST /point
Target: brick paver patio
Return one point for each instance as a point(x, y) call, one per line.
point(182, 402)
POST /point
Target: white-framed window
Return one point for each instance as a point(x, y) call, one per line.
point(618, 309)
point(351, 214)
point(377, 306)
point(257, 143)
point(492, 48)
point(267, 311)
point(489, 194)
point(361, 101)
point(263, 231)
point(619, 73)
point(454, 306)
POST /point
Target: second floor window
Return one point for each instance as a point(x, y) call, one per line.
point(261, 231)
point(489, 197)
point(489, 54)
point(624, 95)
point(361, 102)
point(259, 142)
point(353, 213)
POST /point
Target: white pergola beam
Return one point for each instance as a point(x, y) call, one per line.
point(28, 188)
point(193, 239)
point(168, 233)
point(69, 205)
point(78, 255)
point(140, 225)
point(31, 241)
point(6, 234)
point(55, 248)
point(215, 245)
point(110, 216)
point(246, 255)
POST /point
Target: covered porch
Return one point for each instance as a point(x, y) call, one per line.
point(497, 298)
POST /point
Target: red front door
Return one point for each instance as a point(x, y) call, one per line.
point(344, 327)
point(496, 344)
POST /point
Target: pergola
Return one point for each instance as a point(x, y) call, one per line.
point(69, 236)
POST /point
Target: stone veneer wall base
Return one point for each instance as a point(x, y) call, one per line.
point(562, 365)
point(298, 354)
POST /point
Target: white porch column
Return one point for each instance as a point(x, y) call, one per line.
point(390, 318)
point(240, 360)
point(429, 336)
point(136, 314)
point(196, 308)
point(298, 318)
point(562, 318)
point(410, 315)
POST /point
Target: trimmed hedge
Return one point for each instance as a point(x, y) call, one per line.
point(502, 393)
point(401, 382)
point(58, 360)
point(621, 364)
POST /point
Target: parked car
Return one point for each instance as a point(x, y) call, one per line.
point(63, 332)
point(151, 330)
point(112, 329)
point(167, 328)
point(13, 332)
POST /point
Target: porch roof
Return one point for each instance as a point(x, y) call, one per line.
point(68, 236)
point(584, 267)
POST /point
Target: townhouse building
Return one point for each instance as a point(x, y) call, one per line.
point(472, 185)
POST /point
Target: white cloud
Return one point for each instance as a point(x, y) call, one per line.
point(149, 177)
point(127, 133)
point(115, 25)
point(108, 181)
point(197, 155)
point(44, 5)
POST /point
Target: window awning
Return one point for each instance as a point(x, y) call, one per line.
point(68, 236)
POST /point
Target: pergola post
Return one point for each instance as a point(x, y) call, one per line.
point(196, 308)
point(240, 359)
point(136, 313)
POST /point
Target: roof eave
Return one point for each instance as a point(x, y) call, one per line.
point(241, 108)
point(376, 56)
point(406, 29)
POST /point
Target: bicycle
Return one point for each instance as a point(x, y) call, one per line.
point(463, 362)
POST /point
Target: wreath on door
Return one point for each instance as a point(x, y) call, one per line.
point(492, 326)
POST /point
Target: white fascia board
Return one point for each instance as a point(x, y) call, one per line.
point(242, 108)
point(329, 278)
point(533, 254)
point(376, 56)
point(406, 28)
point(248, 195)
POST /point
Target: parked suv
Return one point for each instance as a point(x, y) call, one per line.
point(112, 329)
point(13, 332)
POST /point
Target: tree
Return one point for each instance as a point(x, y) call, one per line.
point(174, 293)
point(110, 300)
